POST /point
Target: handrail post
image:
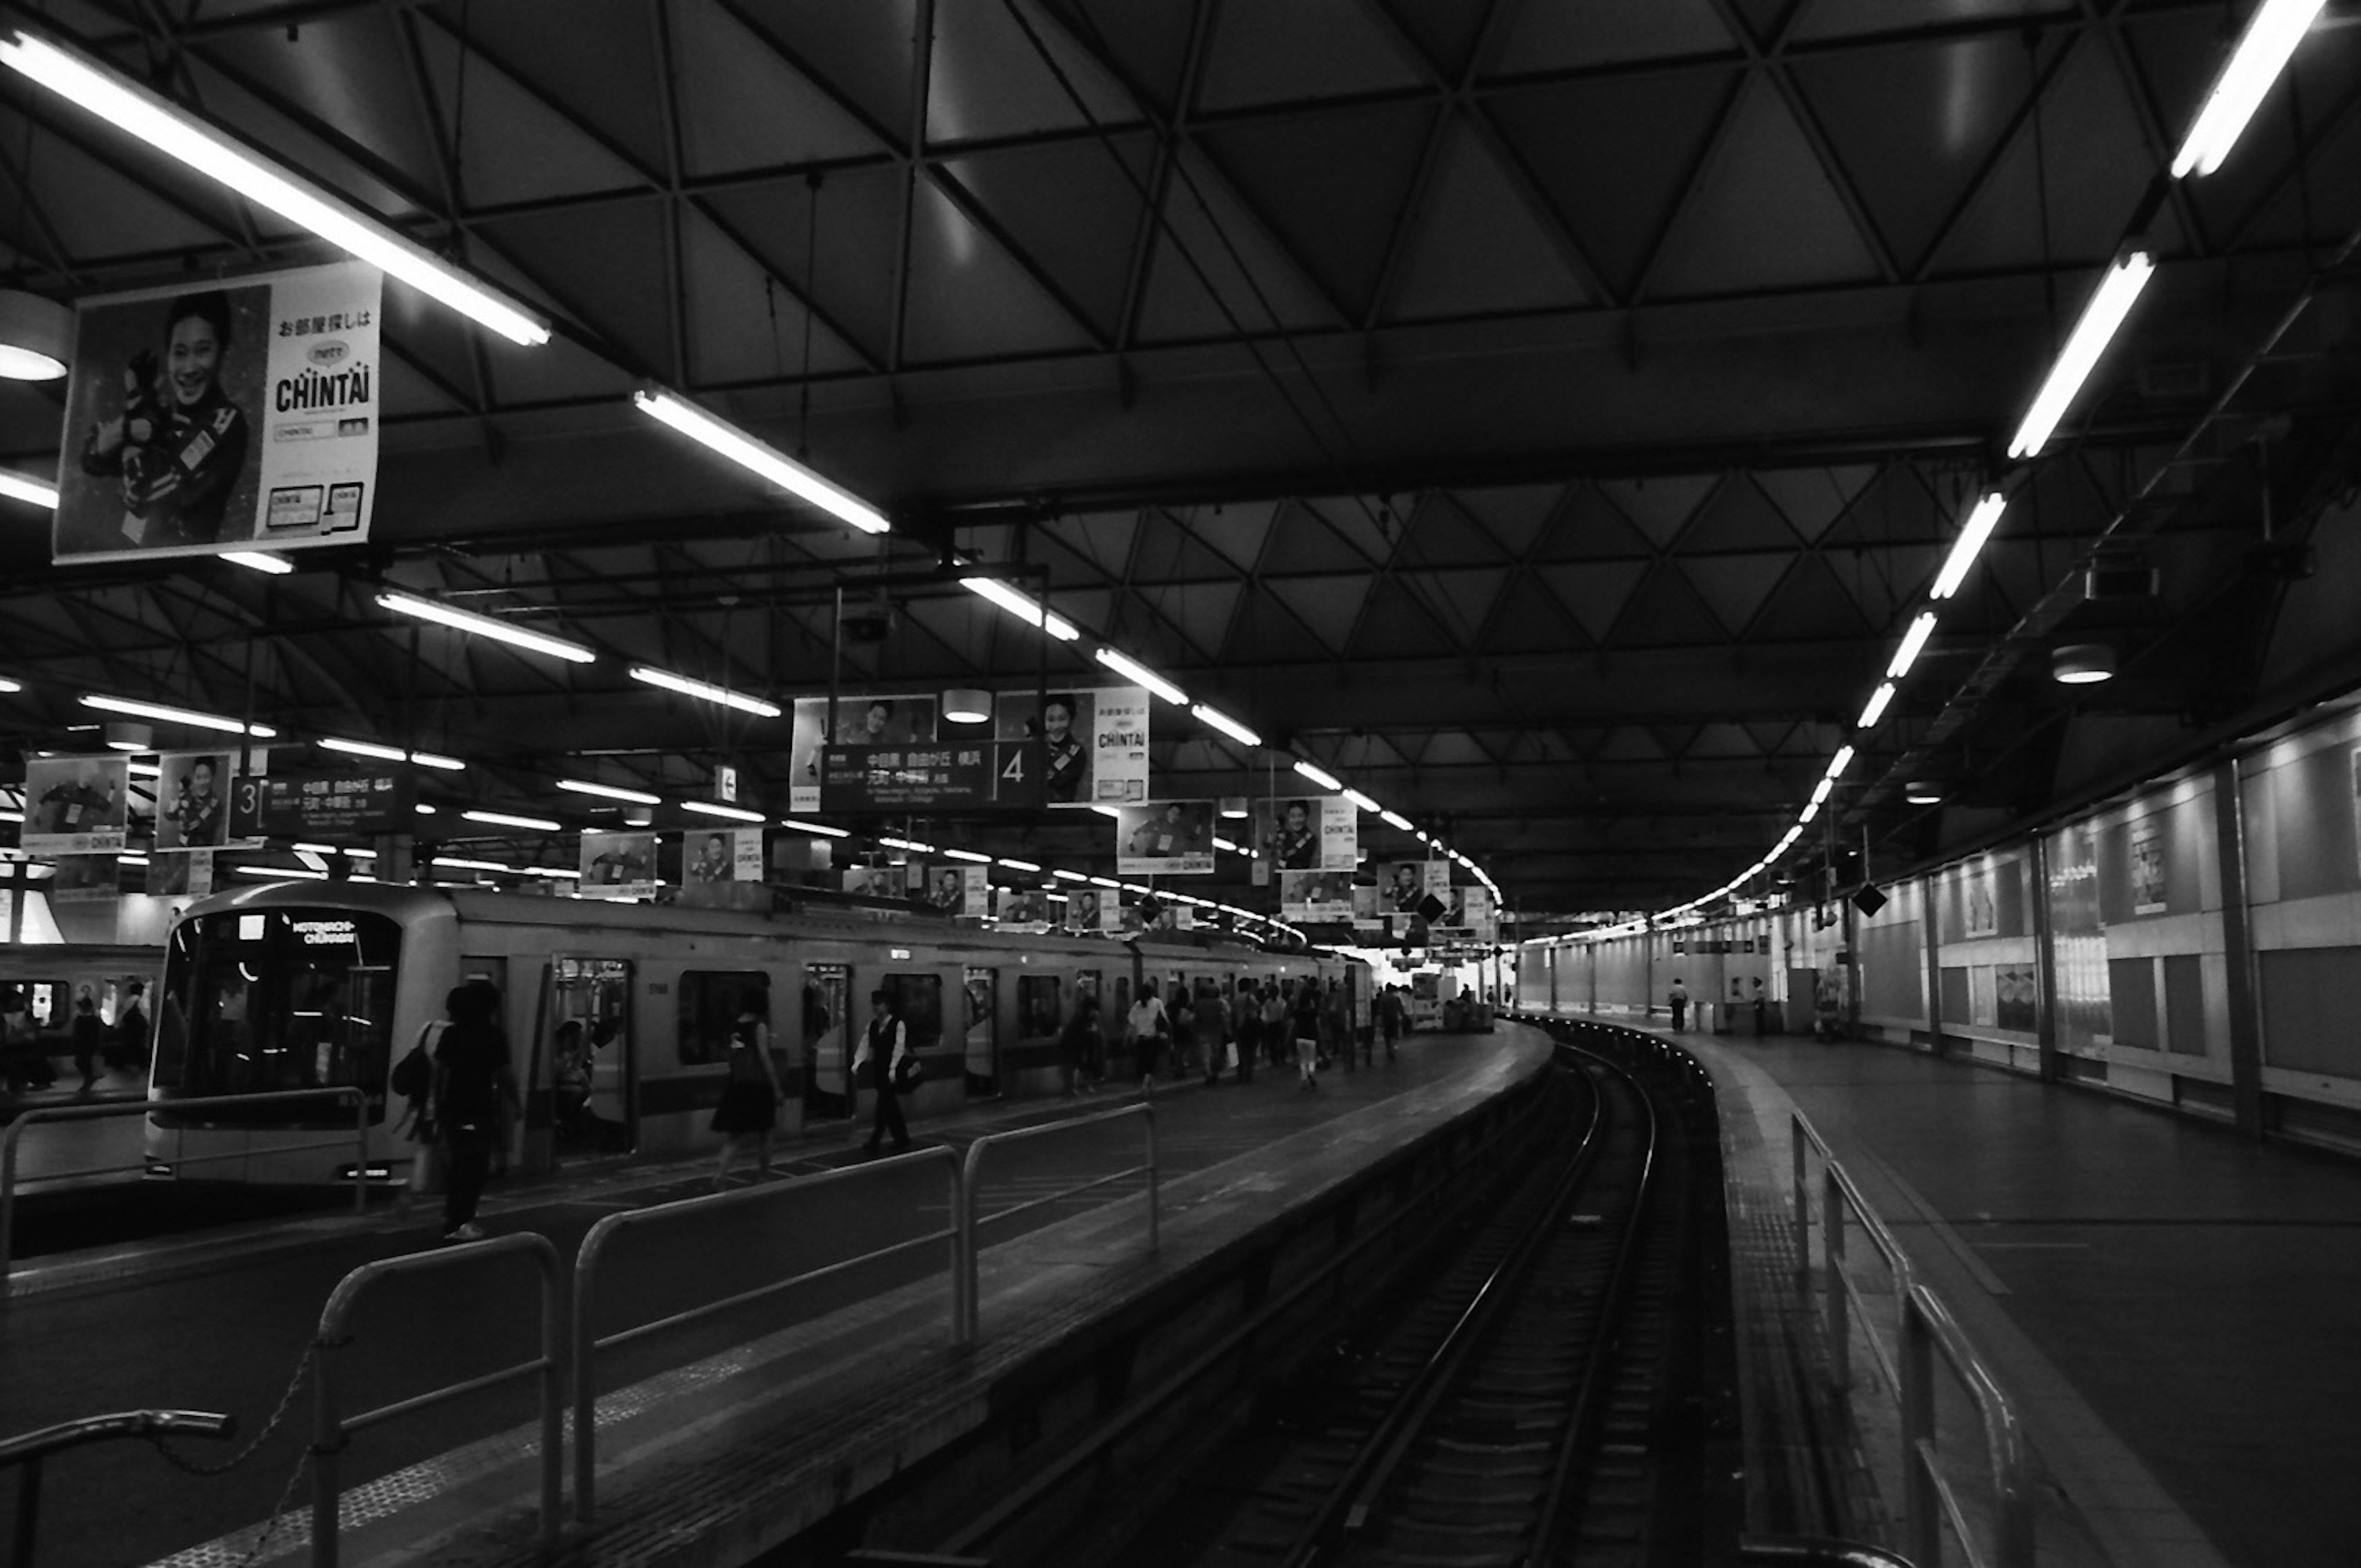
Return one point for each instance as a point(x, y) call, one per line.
point(1832, 1230)
point(1922, 1509)
point(584, 1351)
point(971, 1264)
point(9, 1195)
point(1803, 1202)
point(327, 1444)
point(962, 1258)
point(361, 1153)
point(553, 1394)
point(1148, 1116)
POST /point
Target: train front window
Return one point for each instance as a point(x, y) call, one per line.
point(276, 999)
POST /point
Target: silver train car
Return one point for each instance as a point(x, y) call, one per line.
point(311, 986)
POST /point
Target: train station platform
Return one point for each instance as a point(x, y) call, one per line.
point(717, 1445)
point(2170, 1305)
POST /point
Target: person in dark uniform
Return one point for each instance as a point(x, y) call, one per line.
point(131, 1030)
point(1066, 766)
point(179, 443)
point(474, 1084)
point(87, 1033)
point(884, 1048)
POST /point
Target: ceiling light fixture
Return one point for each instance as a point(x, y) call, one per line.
point(504, 819)
point(436, 760)
point(1914, 641)
point(611, 792)
point(1318, 774)
point(258, 561)
point(1217, 719)
point(36, 336)
point(1919, 792)
point(485, 625)
point(1018, 866)
point(2271, 35)
point(719, 435)
point(24, 487)
point(452, 862)
point(1363, 801)
point(1820, 790)
point(1064, 875)
point(281, 874)
point(1396, 819)
point(1022, 607)
point(820, 829)
point(1874, 709)
point(364, 749)
point(1808, 812)
point(705, 691)
point(2110, 303)
point(715, 808)
point(1979, 526)
point(910, 844)
point(169, 715)
point(1123, 663)
point(966, 705)
point(173, 130)
point(2082, 664)
point(966, 855)
point(1841, 761)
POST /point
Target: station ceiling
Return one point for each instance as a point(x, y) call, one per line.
point(1547, 415)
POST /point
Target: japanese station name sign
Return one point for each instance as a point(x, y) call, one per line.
point(315, 804)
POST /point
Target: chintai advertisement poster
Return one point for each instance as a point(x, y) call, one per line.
point(1309, 833)
point(1164, 837)
point(1092, 741)
point(618, 865)
point(236, 415)
point(717, 854)
point(1315, 895)
point(76, 805)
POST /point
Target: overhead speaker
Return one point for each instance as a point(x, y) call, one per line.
point(1869, 901)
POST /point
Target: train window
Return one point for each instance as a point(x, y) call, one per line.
point(286, 998)
point(1039, 1007)
point(918, 1001)
point(710, 1002)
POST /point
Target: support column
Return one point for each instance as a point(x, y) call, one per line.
point(2045, 967)
point(1930, 935)
point(2238, 952)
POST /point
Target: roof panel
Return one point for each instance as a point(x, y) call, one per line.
point(1330, 606)
point(742, 106)
point(1812, 498)
point(1734, 587)
point(852, 220)
point(1665, 612)
point(1397, 624)
point(594, 58)
point(1072, 208)
point(1595, 591)
point(1738, 517)
point(1663, 504)
point(1566, 37)
point(744, 325)
point(1299, 52)
point(1441, 533)
point(605, 265)
point(967, 299)
point(1591, 527)
point(515, 146)
point(1146, 46)
point(1478, 247)
point(1444, 30)
point(1207, 237)
point(1529, 619)
point(1841, 19)
point(346, 71)
point(988, 79)
point(861, 47)
point(1267, 633)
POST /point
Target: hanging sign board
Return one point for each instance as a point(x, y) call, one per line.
point(234, 417)
point(76, 805)
point(352, 803)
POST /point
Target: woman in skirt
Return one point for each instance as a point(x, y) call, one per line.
point(751, 1097)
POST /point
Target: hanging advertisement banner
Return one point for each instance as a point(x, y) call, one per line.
point(618, 865)
point(878, 882)
point(975, 892)
point(1315, 894)
point(189, 874)
point(1408, 883)
point(721, 854)
point(1093, 742)
point(1308, 833)
point(76, 805)
point(1087, 909)
point(192, 799)
point(226, 417)
point(85, 879)
point(348, 803)
point(1165, 837)
point(1023, 906)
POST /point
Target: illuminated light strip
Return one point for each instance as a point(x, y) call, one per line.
point(1980, 525)
point(1809, 812)
point(1123, 665)
point(1018, 866)
point(1874, 709)
point(718, 435)
point(1318, 774)
point(1363, 801)
point(558, 872)
point(435, 759)
point(9, 685)
point(1230, 727)
point(503, 819)
point(611, 792)
point(910, 844)
point(256, 561)
point(364, 749)
point(486, 626)
point(1841, 761)
point(969, 855)
point(1063, 874)
point(278, 873)
point(1021, 607)
point(1820, 790)
point(1914, 641)
point(171, 129)
point(704, 690)
point(2264, 48)
point(130, 859)
point(452, 862)
point(1103, 881)
point(715, 808)
point(26, 488)
point(820, 829)
point(1222, 843)
point(190, 717)
point(1396, 819)
point(2112, 301)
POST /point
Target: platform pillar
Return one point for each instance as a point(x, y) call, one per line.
point(2238, 953)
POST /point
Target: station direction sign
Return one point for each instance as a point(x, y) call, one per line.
point(928, 775)
point(321, 805)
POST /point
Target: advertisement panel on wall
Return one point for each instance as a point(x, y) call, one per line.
point(1308, 833)
point(1166, 838)
point(220, 418)
point(75, 805)
point(618, 865)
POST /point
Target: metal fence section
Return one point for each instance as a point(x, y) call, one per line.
point(1924, 1329)
point(331, 1430)
point(14, 1136)
point(970, 1225)
point(27, 1453)
point(595, 1244)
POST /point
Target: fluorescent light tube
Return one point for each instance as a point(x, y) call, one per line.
point(360, 854)
point(281, 874)
point(559, 872)
point(1222, 843)
point(171, 129)
point(715, 808)
point(423, 809)
point(1018, 866)
point(1875, 707)
point(1808, 812)
point(452, 862)
point(1021, 607)
point(1820, 790)
point(504, 819)
point(364, 749)
point(907, 844)
point(130, 859)
point(1226, 725)
point(485, 625)
point(611, 792)
point(187, 715)
point(1123, 663)
point(1318, 774)
point(1914, 641)
point(2271, 35)
point(1841, 761)
point(1979, 526)
point(1396, 819)
point(256, 561)
point(2109, 305)
point(821, 828)
point(9, 685)
point(720, 437)
point(1103, 881)
point(1063, 874)
point(708, 693)
point(1107, 811)
point(24, 487)
point(435, 759)
point(968, 855)
point(1363, 801)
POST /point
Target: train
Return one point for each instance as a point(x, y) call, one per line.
point(309, 985)
point(48, 978)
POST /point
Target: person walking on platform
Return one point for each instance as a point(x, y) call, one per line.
point(1761, 1009)
point(751, 1095)
point(1184, 1035)
point(1214, 1032)
point(473, 1084)
point(1075, 1055)
point(1390, 1018)
point(131, 1031)
point(1277, 1030)
point(884, 1050)
point(1246, 1027)
point(87, 1034)
point(1145, 1029)
point(1679, 999)
point(1307, 1034)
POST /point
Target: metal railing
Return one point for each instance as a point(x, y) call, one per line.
point(595, 1244)
point(971, 1223)
point(331, 1431)
point(1924, 1328)
point(14, 1134)
point(27, 1449)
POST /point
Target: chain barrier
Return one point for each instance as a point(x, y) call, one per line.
point(271, 1521)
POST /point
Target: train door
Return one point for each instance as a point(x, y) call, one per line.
point(592, 1055)
point(982, 1031)
point(828, 1042)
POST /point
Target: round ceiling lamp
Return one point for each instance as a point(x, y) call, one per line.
point(2082, 664)
point(1234, 806)
point(1923, 791)
point(128, 736)
point(36, 336)
point(966, 705)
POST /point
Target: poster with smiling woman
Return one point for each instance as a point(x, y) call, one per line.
point(236, 415)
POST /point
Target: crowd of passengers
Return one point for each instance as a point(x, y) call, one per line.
point(1303, 1025)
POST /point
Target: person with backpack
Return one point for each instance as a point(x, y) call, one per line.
point(474, 1084)
point(884, 1050)
point(751, 1095)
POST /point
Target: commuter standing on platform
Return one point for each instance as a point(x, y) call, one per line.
point(87, 1034)
point(1246, 1026)
point(1307, 1032)
point(131, 1031)
point(1184, 1034)
point(1761, 1009)
point(473, 1084)
point(1144, 1029)
point(884, 1048)
point(1074, 1053)
point(1679, 998)
point(1390, 1018)
point(1277, 1034)
point(1213, 1032)
point(751, 1096)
